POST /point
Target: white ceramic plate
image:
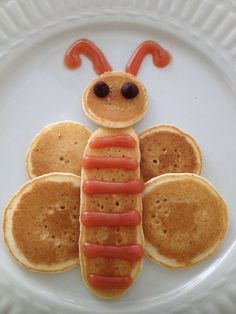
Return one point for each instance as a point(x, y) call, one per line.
point(195, 92)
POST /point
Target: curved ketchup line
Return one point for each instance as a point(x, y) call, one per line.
point(86, 47)
point(160, 56)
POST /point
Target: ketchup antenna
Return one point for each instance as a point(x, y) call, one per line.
point(86, 47)
point(160, 56)
point(72, 60)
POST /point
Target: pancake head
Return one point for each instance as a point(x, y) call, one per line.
point(58, 147)
point(41, 223)
point(167, 149)
point(121, 104)
point(184, 219)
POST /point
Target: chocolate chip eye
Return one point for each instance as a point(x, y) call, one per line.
point(101, 89)
point(129, 90)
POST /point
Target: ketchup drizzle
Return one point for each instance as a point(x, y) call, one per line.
point(72, 58)
point(91, 187)
point(129, 252)
point(161, 57)
point(103, 219)
point(125, 141)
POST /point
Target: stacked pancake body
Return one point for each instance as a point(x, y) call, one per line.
point(41, 223)
point(58, 147)
point(167, 149)
point(112, 203)
point(184, 219)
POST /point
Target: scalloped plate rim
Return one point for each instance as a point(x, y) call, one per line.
point(8, 1)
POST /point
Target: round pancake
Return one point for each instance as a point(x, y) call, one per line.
point(114, 110)
point(41, 223)
point(167, 149)
point(58, 147)
point(184, 219)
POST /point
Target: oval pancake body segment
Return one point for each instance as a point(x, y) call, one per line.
point(111, 236)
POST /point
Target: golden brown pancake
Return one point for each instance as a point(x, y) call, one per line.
point(114, 110)
point(41, 223)
point(111, 203)
point(58, 147)
point(184, 219)
point(167, 149)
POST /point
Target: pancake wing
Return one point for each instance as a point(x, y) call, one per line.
point(167, 149)
point(41, 223)
point(184, 219)
point(117, 270)
point(58, 147)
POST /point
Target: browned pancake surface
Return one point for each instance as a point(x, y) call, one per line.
point(111, 203)
point(183, 219)
point(57, 148)
point(110, 267)
point(115, 110)
point(41, 223)
point(46, 223)
point(168, 150)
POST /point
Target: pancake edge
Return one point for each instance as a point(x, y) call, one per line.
point(150, 250)
point(190, 139)
point(7, 226)
point(107, 123)
point(28, 164)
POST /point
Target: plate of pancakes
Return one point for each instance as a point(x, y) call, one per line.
point(181, 118)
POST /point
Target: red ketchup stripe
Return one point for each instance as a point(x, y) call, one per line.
point(109, 282)
point(125, 141)
point(100, 219)
point(91, 187)
point(129, 252)
point(90, 162)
